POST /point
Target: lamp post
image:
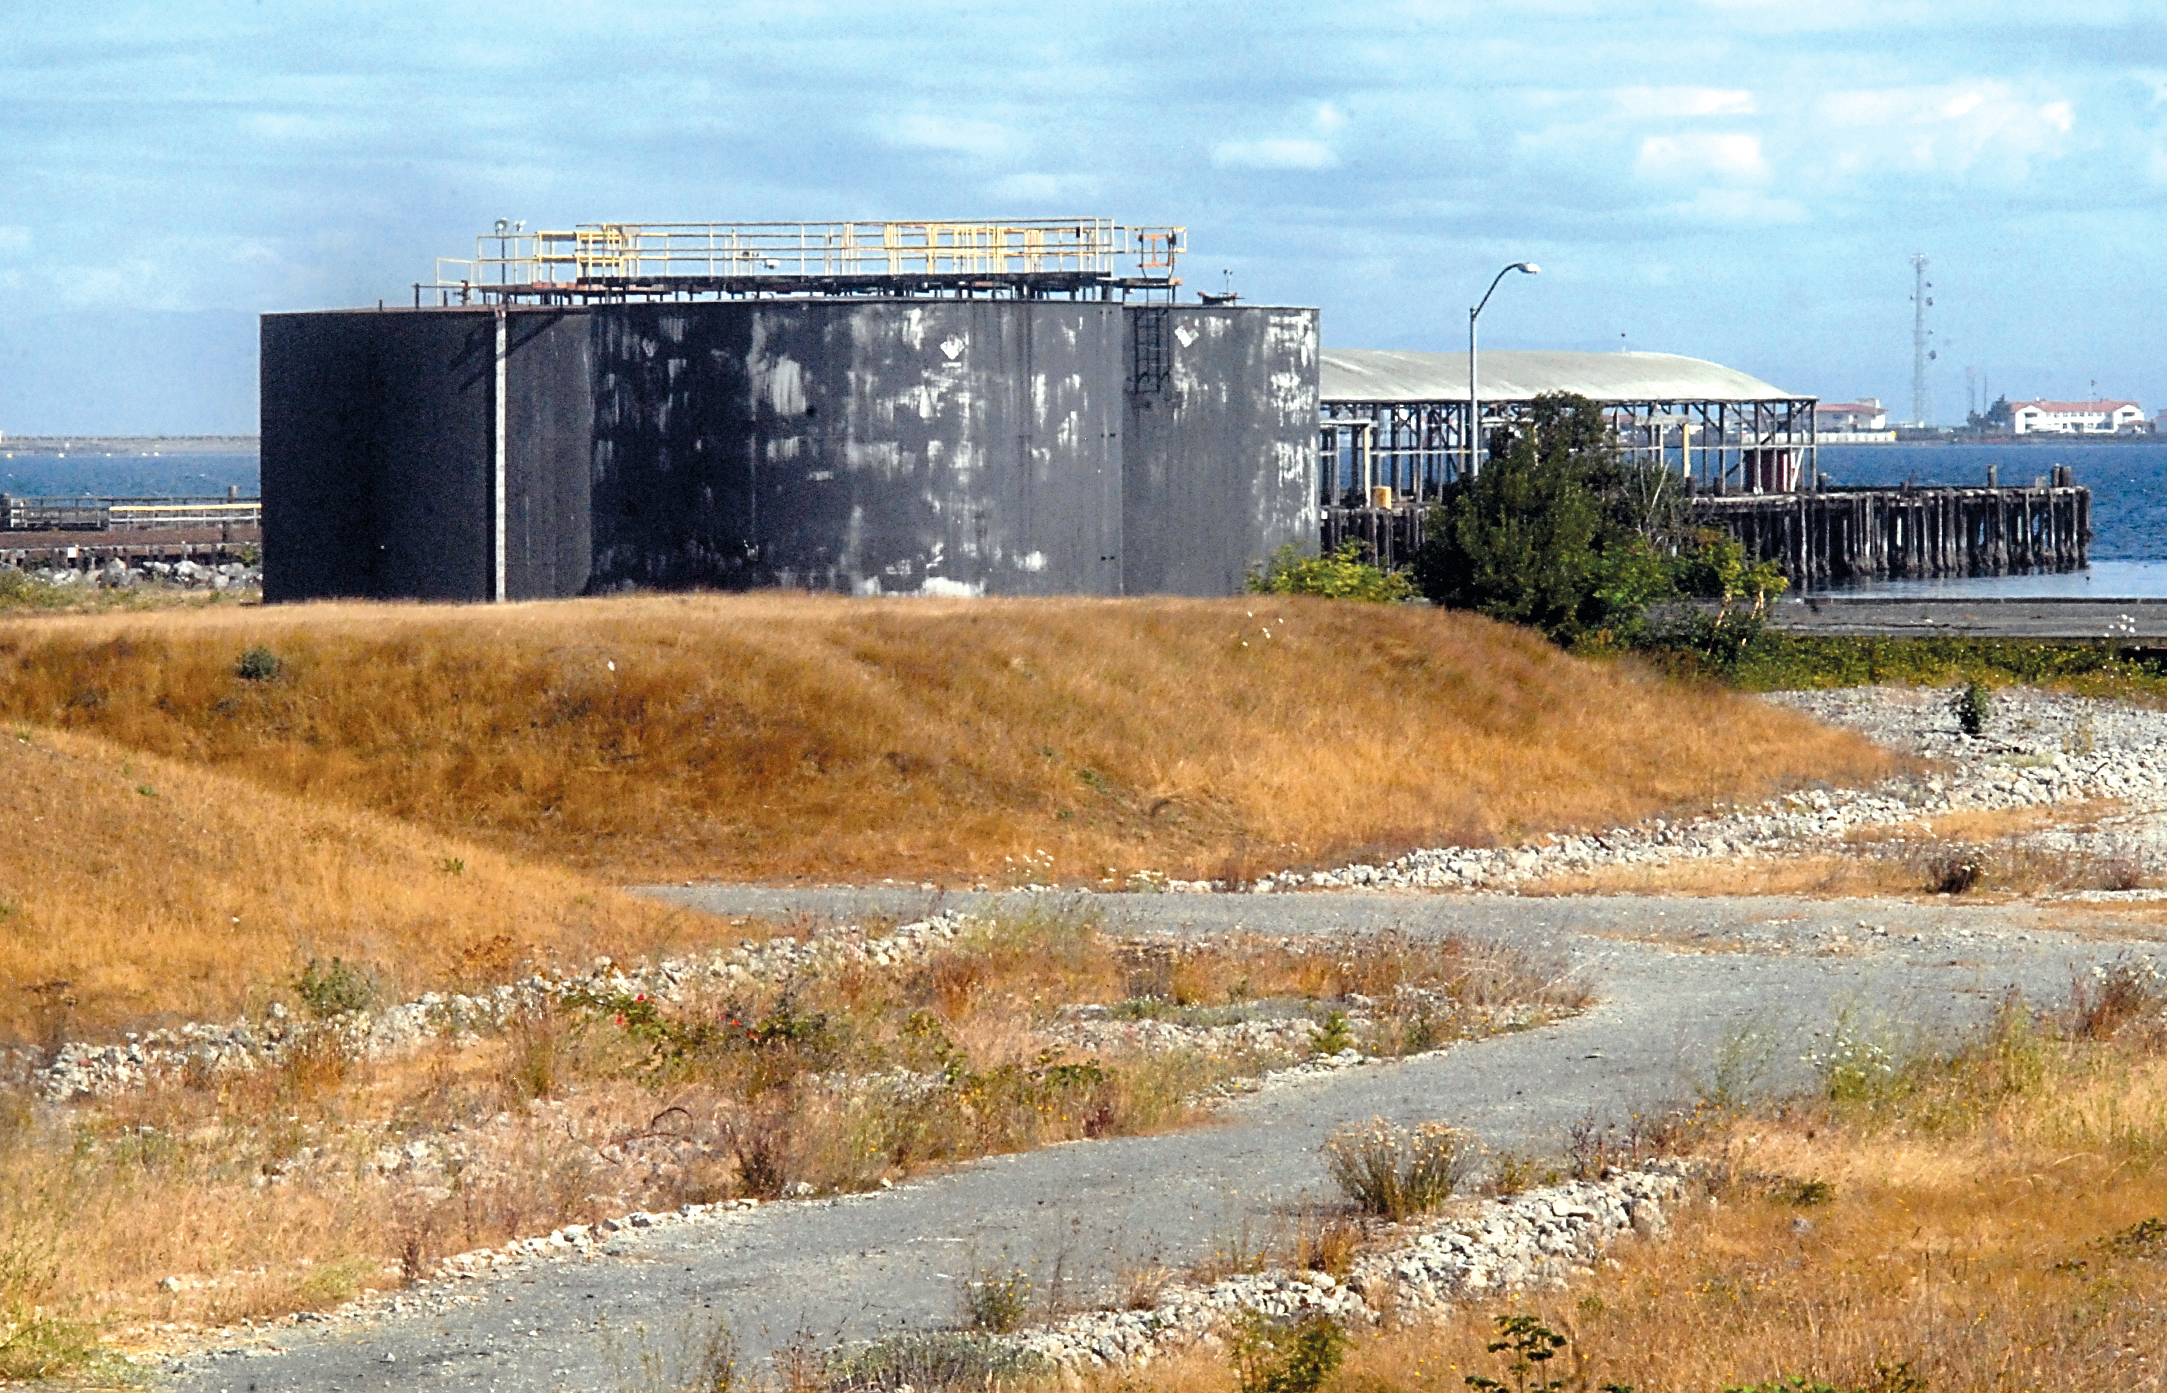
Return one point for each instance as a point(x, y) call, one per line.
point(1474, 401)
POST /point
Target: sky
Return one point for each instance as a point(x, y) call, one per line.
point(1729, 179)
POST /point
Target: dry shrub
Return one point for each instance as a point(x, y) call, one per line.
point(1394, 1172)
point(775, 735)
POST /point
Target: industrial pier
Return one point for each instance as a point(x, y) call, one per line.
point(1396, 436)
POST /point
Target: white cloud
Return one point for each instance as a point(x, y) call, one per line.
point(1729, 156)
point(1684, 101)
point(14, 239)
point(1274, 154)
point(1046, 188)
point(955, 135)
point(1953, 129)
point(1739, 208)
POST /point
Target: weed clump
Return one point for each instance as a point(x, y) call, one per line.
point(340, 989)
point(258, 664)
point(1392, 1171)
point(997, 1300)
point(1974, 708)
point(1346, 574)
point(1272, 1356)
point(932, 1360)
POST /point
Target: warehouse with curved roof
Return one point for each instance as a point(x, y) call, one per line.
point(1396, 423)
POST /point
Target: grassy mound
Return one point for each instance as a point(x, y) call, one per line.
point(136, 890)
point(787, 736)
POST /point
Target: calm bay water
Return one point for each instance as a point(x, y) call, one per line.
point(2129, 509)
point(128, 476)
point(2128, 483)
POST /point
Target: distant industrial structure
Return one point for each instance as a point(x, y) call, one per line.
point(2073, 417)
point(957, 408)
point(1861, 422)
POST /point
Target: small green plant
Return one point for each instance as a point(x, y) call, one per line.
point(1974, 708)
point(1392, 1172)
point(1805, 1194)
point(258, 664)
point(335, 990)
point(997, 1300)
point(452, 865)
point(1272, 1356)
point(1856, 1066)
point(1528, 1346)
point(1333, 1036)
point(1345, 574)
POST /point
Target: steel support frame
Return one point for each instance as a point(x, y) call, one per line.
point(1418, 448)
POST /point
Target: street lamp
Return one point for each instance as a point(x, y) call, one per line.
point(1474, 402)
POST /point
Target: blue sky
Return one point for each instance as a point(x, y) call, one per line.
point(1735, 180)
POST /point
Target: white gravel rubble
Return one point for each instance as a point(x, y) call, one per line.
point(79, 1069)
point(1535, 1239)
point(2039, 749)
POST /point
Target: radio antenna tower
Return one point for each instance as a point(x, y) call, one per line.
point(1921, 407)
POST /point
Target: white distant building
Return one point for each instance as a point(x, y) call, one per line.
point(2075, 417)
point(1866, 413)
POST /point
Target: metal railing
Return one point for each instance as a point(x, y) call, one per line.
point(634, 253)
point(21, 514)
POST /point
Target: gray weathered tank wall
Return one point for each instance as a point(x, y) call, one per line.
point(1220, 460)
point(378, 454)
point(938, 447)
point(943, 447)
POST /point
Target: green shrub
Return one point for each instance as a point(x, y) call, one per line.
point(1286, 1356)
point(1527, 1346)
point(336, 989)
point(258, 664)
point(1345, 574)
point(1560, 533)
point(1974, 708)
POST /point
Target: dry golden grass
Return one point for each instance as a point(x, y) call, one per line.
point(256, 1191)
point(1988, 1232)
point(137, 891)
point(778, 735)
point(1905, 860)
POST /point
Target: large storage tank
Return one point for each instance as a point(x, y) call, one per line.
point(921, 446)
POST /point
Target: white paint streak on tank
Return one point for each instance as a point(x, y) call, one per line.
point(672, 327)
point(881, 457)
point(784, 447)
point(786, 387)
point(1031, 561)
point(941, 587)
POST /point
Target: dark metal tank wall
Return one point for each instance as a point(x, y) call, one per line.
point(1221, 454)
point(379, 454)
point(936, 447)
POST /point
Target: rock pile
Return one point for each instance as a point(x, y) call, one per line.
point(84, 1070)
point(2041, 748)
point(184, 575)
point(1537, 1238)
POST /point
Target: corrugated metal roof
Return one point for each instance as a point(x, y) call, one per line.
point(1508, 374)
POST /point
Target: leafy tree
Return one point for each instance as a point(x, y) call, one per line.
point(1559, 533)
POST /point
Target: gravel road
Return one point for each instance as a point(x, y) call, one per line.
point(1680, 981)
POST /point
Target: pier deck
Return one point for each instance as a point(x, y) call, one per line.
point(2135, 623)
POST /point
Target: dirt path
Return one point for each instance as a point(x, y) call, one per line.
point(1762, 971)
